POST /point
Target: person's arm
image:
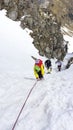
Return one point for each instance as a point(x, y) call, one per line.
point(35, 73)
point(42, 69)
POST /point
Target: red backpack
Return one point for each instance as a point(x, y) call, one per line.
point(38, 62)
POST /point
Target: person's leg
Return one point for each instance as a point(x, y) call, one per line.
point(49, 70)
point(40, 75)
point(59, 67)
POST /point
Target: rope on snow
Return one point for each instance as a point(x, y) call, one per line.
point(23, 105)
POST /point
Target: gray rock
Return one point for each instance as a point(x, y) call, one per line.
point(6, 2)
point(13, 15)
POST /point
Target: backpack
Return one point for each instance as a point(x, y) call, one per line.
point(48, 63)
point(38, 62)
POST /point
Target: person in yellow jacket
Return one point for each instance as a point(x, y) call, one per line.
point(38, 69)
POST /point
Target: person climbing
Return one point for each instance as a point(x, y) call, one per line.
point(48, 65)
point(59, 64)
point(38, 68)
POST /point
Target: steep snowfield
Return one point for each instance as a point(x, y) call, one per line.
point(50, 104)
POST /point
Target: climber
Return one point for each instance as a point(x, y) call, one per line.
point(59, 64)
point(38, 68)
point(48, 65)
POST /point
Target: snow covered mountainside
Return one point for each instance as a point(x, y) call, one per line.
point(50, 104)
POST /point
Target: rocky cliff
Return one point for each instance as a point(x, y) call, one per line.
point(45, 19)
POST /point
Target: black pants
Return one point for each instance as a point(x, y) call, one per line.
point(40, 75)
point(59, 67)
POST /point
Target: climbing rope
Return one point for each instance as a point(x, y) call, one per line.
point(23, 105)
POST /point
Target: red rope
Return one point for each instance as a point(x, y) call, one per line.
point(23, 106)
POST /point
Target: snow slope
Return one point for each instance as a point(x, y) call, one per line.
point(50, 104)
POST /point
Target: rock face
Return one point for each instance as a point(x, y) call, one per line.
point(63, 10)
point(69, 63)
point(38, 16)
